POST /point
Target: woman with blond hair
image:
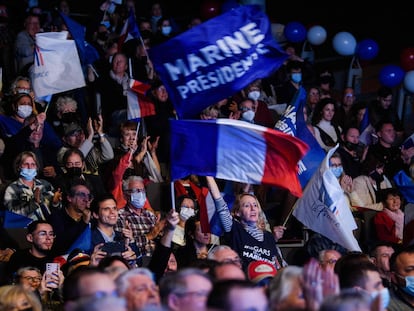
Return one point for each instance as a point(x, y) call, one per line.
point(16, 298)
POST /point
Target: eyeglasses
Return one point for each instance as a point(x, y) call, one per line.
point(130, 191)
point(235, 261)
point(84, 196)
point(33, 278)
point(44, 234)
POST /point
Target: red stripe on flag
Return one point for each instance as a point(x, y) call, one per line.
point(281, 162)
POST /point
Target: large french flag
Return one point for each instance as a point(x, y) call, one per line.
point(236, 150)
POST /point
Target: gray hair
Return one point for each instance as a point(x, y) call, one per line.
point(65, 100)
point(212, 253)
point(28, 268)
point(281, 285)
point(122, 281)
point(125, 183)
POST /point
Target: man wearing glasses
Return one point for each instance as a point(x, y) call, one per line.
point(72, 220)
point(137, 217)
point(41, 236)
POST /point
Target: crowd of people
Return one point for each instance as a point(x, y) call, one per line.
point(91, 186)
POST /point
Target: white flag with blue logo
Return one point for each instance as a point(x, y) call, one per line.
point(56, 65)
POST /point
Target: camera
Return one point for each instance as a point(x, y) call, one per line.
point(114, 248)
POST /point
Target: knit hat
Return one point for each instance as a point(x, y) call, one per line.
point(259, 270)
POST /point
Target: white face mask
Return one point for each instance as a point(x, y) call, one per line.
point(385, 296)
point(254, 95)
point(24, 111)
point(248, 115)
point(186, 213)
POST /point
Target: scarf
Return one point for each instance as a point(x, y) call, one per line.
point(398, 218)
point(124, 81)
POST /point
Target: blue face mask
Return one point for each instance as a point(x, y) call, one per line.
point(337, 171)
point(296, 77)
point(409, 285)
point(28, 173)
point(166, 30)
point(138, 199)
point(385, 296)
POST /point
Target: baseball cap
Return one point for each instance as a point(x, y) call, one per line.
point(259, 270)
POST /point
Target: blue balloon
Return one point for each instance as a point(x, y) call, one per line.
point(367, 49)
point(229, 5)
point(344, 43)
point(409, 81)
point(295, 32)
point(391, 75)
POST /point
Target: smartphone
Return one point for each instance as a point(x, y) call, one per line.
point(51, 268)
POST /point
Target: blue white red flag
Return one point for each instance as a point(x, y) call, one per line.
point(366, 130)
point(139, 105)
point(129, 31)
point(217, 59)
point(236, 150)
point(324, 207)
point(292, 122)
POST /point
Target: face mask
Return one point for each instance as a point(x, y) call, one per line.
point(138, 199)
point(107, 24)
point(24, 111)
point(254, 95)
point(377, 176)
point(166, 30)
point(74, 171)
point(186, 213)
point(385, 296)
point(351, 146)
point(248, 115)
point(296, 77)
point(337, 171)
point(409, 285)
point(28, 173)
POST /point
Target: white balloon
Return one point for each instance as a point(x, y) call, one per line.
point(316, 35)
point(344, 43)
point(409, 81)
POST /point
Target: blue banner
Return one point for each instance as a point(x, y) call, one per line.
point(217, 59)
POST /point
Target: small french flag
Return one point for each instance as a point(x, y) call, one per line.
point(139, 105)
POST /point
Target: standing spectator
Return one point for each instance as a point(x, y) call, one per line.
point(328, 258)
point(143, 222)
point(352, 152)
point(287, 90)
point(186, 209)
point(313, 97)
point(380, 256)
point(344, 109)
point(25, 43)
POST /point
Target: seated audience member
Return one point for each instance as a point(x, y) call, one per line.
point(41, 237)
point(402, 289)
point(233, 295)
point(186, 289)
point(380, 254)
point(74, 169)
point(389, 223)
point(71, 221)
point(224, 254)
point(105, 216)
point(114, 265)
point(261, 273)
point(328, 258)
point(65, 113)
point(226, 271)
point(186, 209)
point(84, 282)
point(147, 296)
point(16, 297)
point(98, 303)
point(95, 152)
point(348, 300)
point(29, 196)
point(196, 243)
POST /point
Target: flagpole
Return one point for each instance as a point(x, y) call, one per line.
point(172, 195)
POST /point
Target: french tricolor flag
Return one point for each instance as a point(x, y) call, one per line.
point(139, 105)
point(236, 150)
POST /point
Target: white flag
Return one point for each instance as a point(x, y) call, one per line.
point(56, 65)
point(324, 207)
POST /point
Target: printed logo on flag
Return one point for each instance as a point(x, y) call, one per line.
point(38, 57)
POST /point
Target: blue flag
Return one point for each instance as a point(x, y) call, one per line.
point(217, 59)
point(13, 220)
point(84, 241)
point(293, 122)
point(406, 185)
point(87, 53)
